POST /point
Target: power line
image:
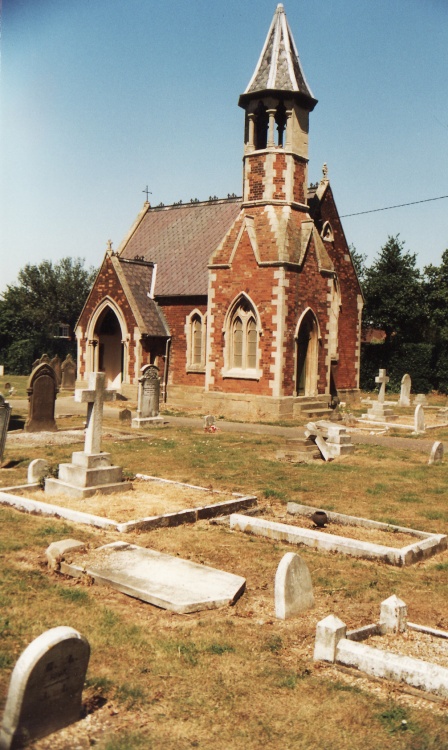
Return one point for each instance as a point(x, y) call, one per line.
point(399, 205)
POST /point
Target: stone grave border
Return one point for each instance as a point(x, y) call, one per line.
point(345, 647)
point(9, 497)
point(428, 544)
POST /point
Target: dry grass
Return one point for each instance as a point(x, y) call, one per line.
point(236, 677)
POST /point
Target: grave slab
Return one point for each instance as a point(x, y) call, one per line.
point(157, 578)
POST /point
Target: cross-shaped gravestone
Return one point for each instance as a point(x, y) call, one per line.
point(94, 396)
point(382, 379)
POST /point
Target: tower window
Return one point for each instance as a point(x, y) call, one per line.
point(280, 119)
point(261, 126)
point(241, 342)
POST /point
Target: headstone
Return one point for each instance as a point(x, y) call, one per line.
point(209, 421)
point(2, 370)
point(91, 470)
point(378, 411)
point(293, 587)
point(313, 431)
point(167, 581)
point(5, 413)
point(338, 439)
point(405, 392)
point(68, 370)
point(45, 691)
point(42, 391)
point(436, 455)
point(419, 419)
point(393, 615)
point(56, 365)
point(37, 469)
point(328, 634)
point(125, 416)
point(421, 399)
point(148, 397)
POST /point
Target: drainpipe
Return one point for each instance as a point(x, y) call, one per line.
point(165, 373)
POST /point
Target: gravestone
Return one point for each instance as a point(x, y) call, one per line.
point(393, 615)
point(2, 370)
point(56, 365)
point(419, 419)
point(125, 416)
point(339, 442)
point(91, 470)
point(148, 397)
point(45, 690)
point(421, 399)
point(5, 413)
point(68, 370)
point(42, 391)
point(436, 455)
point(378, 412)
point(37, 469)
point(405, 392)
point(293, 587)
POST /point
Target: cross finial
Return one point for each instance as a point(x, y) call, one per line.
point(109, 247)
point(148, 192)
point(325, 172)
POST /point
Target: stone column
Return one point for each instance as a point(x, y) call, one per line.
point(271, 130)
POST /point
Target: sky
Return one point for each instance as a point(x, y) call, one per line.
point(100, 98)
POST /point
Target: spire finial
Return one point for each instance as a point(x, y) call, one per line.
point(109, 247)
point(325, 172)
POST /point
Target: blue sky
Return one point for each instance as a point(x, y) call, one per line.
point(101, 97)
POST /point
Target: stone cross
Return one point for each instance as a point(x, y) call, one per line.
point(94, 396)
point(382, 379)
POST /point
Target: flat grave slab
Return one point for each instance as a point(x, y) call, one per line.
point(164, 580)
point(425, 544)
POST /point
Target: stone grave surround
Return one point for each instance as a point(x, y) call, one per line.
point(46, 685)
point(42, 391)
point(91, 470)
point(5, 413)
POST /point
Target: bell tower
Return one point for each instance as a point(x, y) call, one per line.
point(277, 102)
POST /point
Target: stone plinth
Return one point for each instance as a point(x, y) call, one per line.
point(87, 474)
point(146, 421)
point(380, 413)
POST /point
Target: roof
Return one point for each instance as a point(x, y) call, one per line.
point(279, 68)
point(179, 240)
point(138, 276)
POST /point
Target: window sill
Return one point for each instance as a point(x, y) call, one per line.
point(242, 374)
point(195, 368)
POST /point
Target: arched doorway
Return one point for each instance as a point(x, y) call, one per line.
point(307, 341)
point(109, 350)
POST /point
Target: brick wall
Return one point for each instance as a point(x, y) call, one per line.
point(176, 313)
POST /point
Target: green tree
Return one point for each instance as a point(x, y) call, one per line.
point(32, 310)
point(359, 261)
point(436, 292)
point(394, 295)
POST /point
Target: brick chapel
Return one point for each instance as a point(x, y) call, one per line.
point(250, 307)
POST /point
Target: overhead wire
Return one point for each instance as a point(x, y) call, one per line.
point(399, 205)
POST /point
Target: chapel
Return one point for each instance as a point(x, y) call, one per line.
point(250, 307)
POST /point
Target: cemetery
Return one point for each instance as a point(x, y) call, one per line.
point(186, 598)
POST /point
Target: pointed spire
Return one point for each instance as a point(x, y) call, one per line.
point(279, 68)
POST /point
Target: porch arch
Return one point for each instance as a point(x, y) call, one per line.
point(107, 337)
point(307, 338)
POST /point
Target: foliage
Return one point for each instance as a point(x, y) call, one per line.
point(31, 311)
point(359, 261)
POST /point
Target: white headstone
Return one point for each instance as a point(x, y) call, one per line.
point(328, 634)
point(421, 399)
point(405, 392)
point(382, 380)
point(419, 419)
point(45, 691)
point(37, 469)
point(436, 455)
point(293, 587)
point(94, 396)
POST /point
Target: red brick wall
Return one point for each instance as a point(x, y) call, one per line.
point(299, 180)
point(176, 313)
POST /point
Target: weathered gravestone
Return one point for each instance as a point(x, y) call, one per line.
point(405, 392)
point(68, 370)
point(36, 470)
point(45, 691)
point(125, 416)
point(42, 391)
point(91, 470)
point(56, 365)
point(421, 399)
point(5, 413)
point(148, 397)
point(436, 455)
point(293, 587)
point(378, 411)
point(419, 419)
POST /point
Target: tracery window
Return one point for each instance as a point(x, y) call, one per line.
point(195, 330)
point(242, 337)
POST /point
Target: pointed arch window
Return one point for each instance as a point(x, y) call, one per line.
point(195, 330)
point(242, 333)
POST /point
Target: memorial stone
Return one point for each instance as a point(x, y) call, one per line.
point(42, 391)
point(405, 391)
point(436, 455)
point(45, 691)
point(148, 397)
point(421, 399)
point(125, 416)
point(36, 470)
point(68, 370)
point(293, 587)
point(419, 419)
point(5, 413)
point(378, 412)
point(56, 365)
point(2, 370)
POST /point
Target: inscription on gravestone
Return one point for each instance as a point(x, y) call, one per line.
point(45, 691)
point(148, 397)
point(5, 413)
point(42, 390)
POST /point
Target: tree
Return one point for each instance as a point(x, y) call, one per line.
point(32, 310)
point(436, 293)
point(359, 261)
point(394, 295)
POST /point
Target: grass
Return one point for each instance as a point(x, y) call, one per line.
point(236, 677)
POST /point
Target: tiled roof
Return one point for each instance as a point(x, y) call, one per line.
point(180, 240)
point(138, 277)
point(279, 68)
